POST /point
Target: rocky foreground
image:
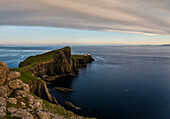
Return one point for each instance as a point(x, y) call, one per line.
point(16, 99)
point(24, 93)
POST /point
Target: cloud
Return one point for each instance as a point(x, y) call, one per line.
point(146, 17)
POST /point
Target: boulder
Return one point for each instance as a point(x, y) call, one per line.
point(16, 84)
point(3, 91)
point(13, 75)
point(28, 117)
point(3, 69)
point(54, 116)
point(3, 101)
point(23, 104)
point(12, 100)
point(37, 104)
point(2, 80)
point(26, 88)
point(30, 99)
point(18, 112)
point(2, 112)
point(43, 115)
point(20, 93)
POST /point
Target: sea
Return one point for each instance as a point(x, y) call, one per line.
point(124, 82)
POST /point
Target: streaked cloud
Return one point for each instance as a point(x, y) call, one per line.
point(148, 17)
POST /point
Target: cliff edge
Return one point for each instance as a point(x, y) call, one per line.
point(36, 70)
point(56, 63)
point(17, 102)
point(18, 99)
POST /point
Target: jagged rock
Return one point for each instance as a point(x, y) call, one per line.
point(3, 91)
point(23, 104)
point(26, 88)
point(3, 69)
point(17, 112)
point(30, 99)
point(3, 101)
point(40, 89)
point(16, 84)
point(37, 104)
point(43, 115)
point(54, 116)
point(2, 80)
point(28, 117)
point(48, 78)
point(13, 75)
point(12, 100)
point(2, 111)
point(60, 64)
point(20, 93)
point(72, 105)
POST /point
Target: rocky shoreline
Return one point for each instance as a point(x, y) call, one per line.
point(23, 90)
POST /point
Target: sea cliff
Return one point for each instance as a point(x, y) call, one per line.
point(29, 80)
point(56, 63)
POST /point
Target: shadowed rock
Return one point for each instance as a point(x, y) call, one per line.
point(71, 105)
point(14, 84)
point(3, 69)
point(12, 100)
point(13, 75)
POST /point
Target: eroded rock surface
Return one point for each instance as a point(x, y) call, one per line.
point(3, 69)
point(12, 100)
point(16, 100)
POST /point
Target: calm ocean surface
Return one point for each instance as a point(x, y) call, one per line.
point(125, 82)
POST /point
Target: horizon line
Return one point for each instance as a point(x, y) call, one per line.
point(82, 44)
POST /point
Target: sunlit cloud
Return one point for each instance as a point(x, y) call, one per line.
point(146, 17)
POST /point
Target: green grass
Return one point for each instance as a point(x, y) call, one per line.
point(9, 117)
point(77, 57)
point(57, 109)
point(26, 76)
point(18, 105)
point(34, 60)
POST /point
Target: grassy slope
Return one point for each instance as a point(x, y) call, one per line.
point(77, 57)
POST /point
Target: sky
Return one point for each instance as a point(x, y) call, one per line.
point(85, 22)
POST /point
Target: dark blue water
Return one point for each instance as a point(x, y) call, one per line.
point(125, 82)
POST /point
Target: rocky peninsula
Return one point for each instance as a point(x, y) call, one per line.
point(23, 91)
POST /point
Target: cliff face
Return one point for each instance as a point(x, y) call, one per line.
point(39, 88)
point(62, 63)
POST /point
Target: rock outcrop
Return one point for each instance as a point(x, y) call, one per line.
point(39, 88)
point(16, 100)
point(53, 65)
point(62, 63)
